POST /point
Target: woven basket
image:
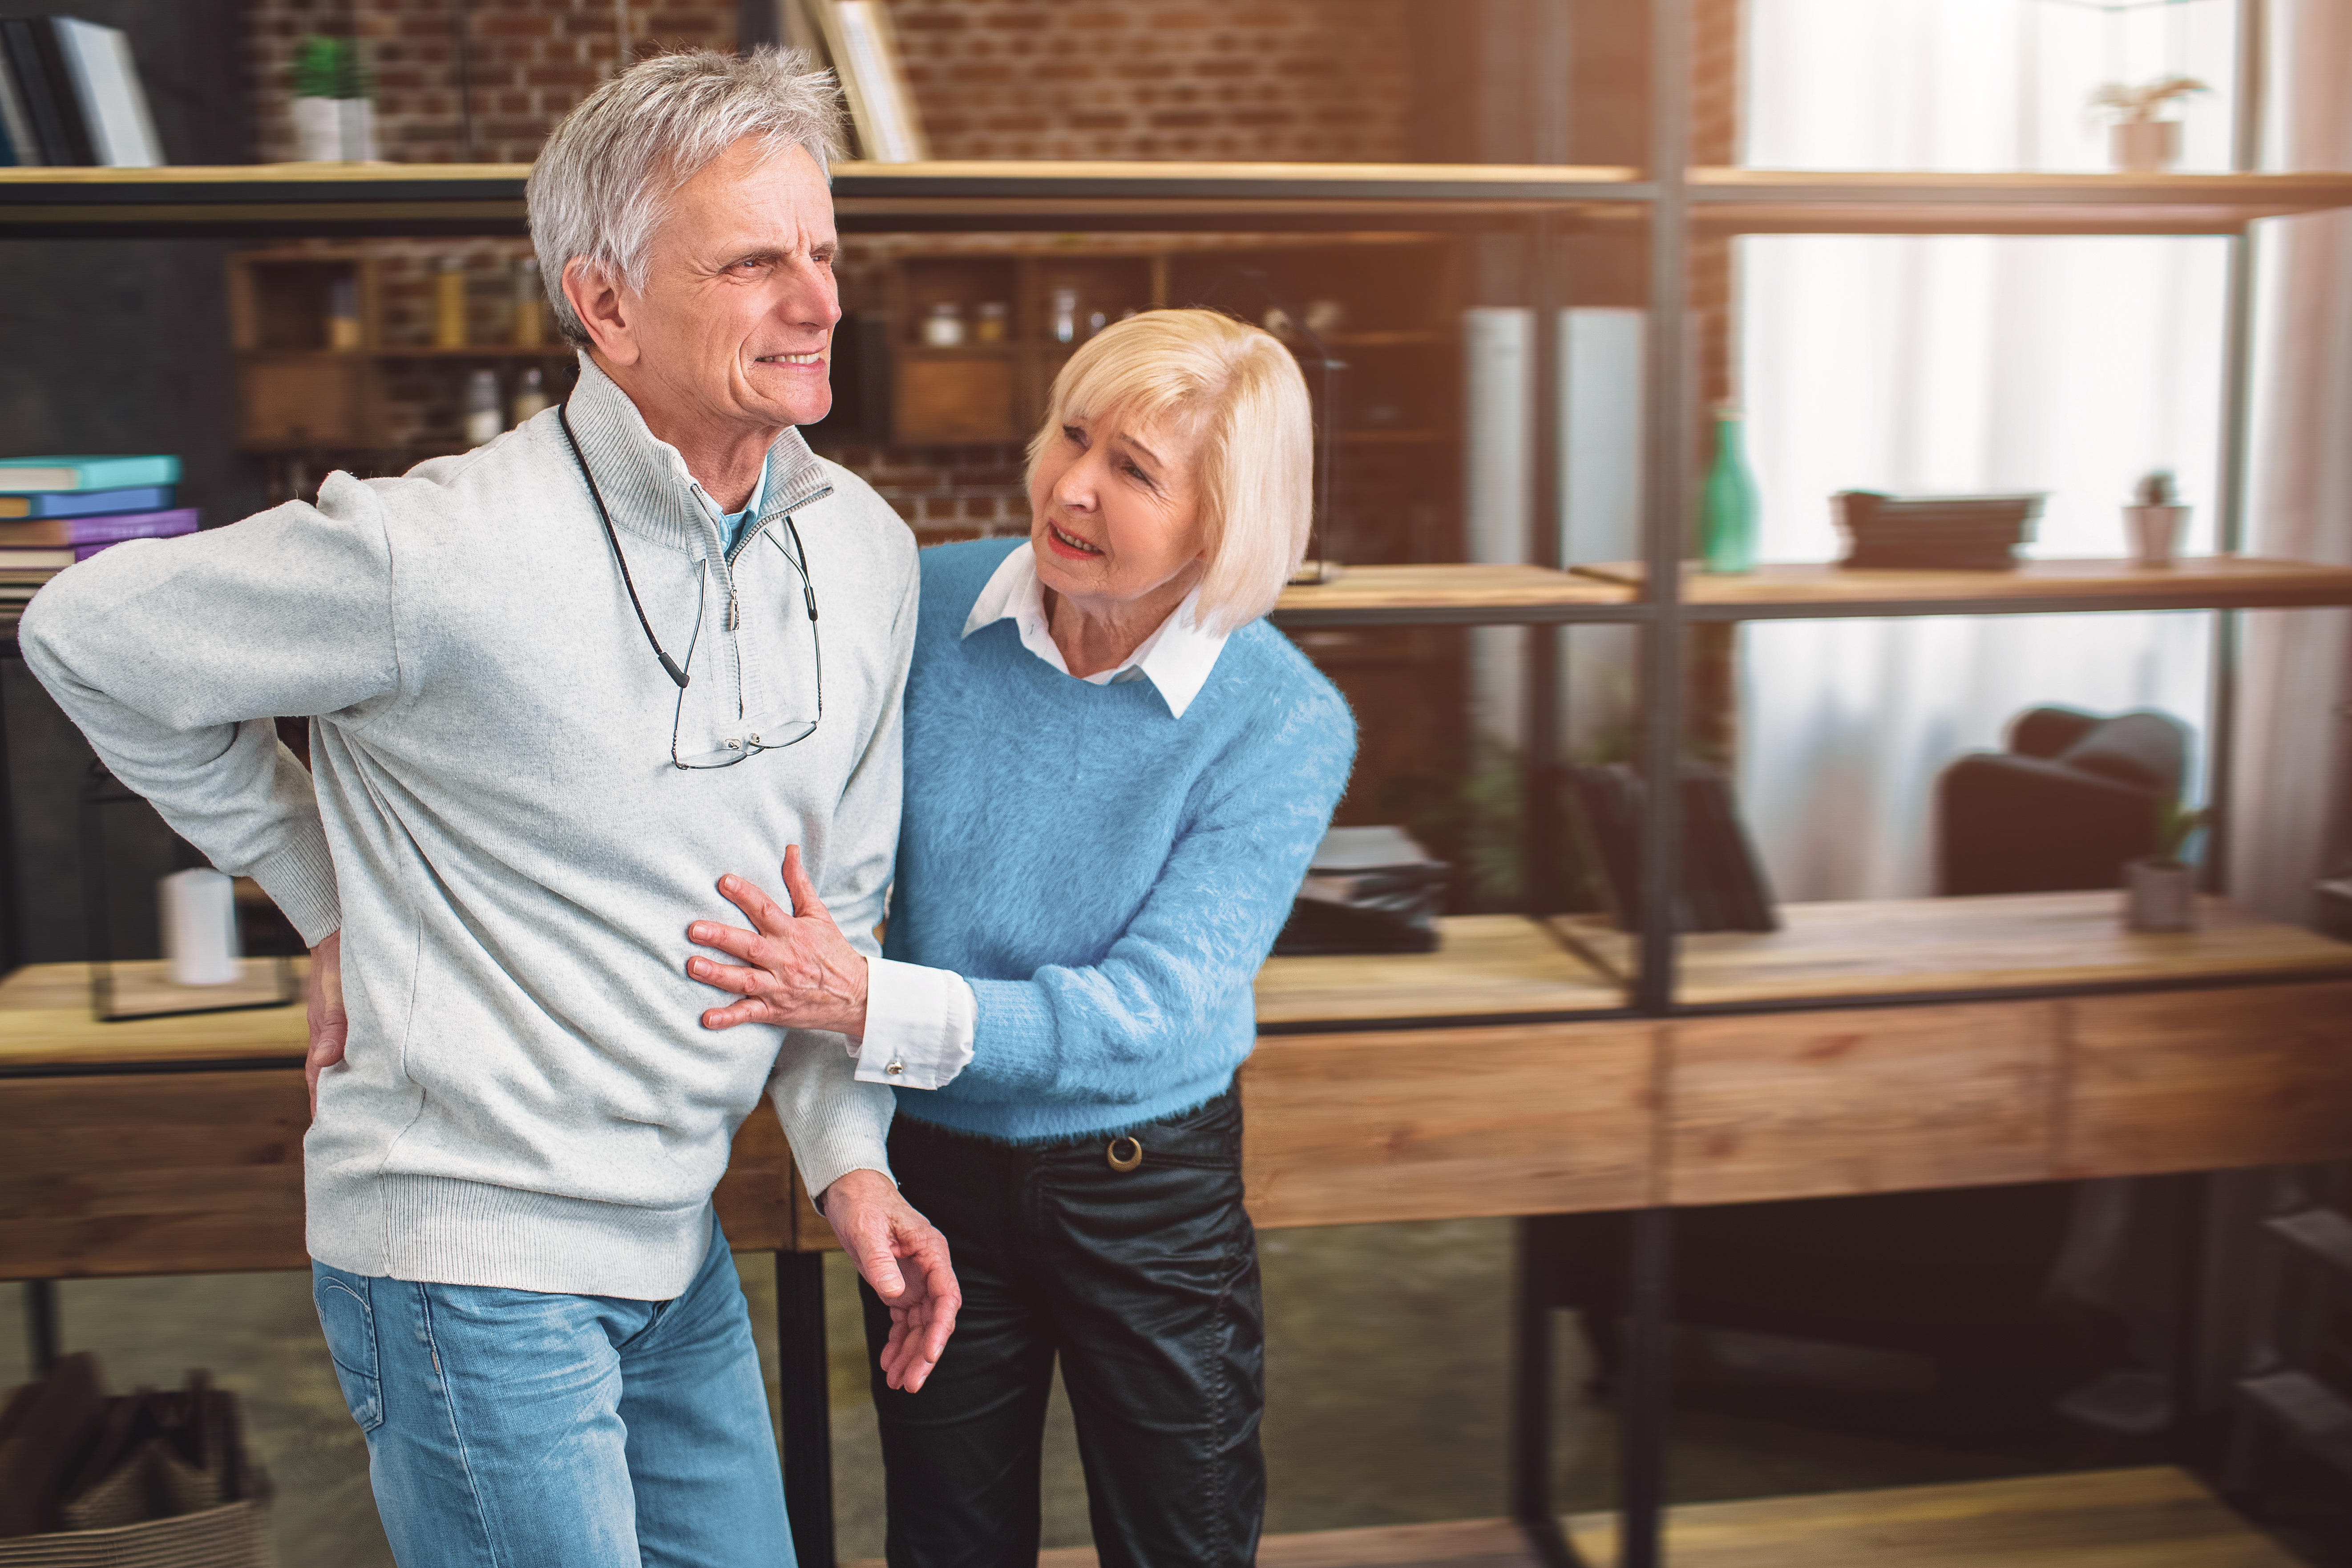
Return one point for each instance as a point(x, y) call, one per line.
point(234, 1536)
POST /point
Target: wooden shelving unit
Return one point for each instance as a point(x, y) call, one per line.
point(1538, 1065)
point(297, 393)
point(2003, 944)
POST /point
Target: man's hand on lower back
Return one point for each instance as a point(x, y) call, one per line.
point(329, 1028)
point(905, 1259)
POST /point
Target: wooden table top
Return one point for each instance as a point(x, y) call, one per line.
point(1486, 966)
point(1927, 946)
point(46, 1020)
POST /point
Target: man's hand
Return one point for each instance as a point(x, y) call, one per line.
point(329, 1028)
point(883, 1232)
point(797, 969)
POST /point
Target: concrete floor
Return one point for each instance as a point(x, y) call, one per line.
point(1385, 1355)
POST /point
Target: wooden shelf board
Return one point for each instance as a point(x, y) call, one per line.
point(424, 198)
point(1933, 946)
point(1484, 966)
point(1389, 437)
point(46, 1021)
point(1823, 587)
point(472, 351)
point(1403, 338)
point(2155, 1518)
point(1870, 201)
point(1450, 586)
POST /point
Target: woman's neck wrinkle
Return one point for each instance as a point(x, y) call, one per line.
point(1092, 641)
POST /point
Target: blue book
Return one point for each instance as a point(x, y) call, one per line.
point(29, 476)
point(84, 503)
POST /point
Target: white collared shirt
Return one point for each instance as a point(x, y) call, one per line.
point(1176, 658)
point(920, 1021)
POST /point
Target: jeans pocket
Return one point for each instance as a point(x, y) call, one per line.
point(348, 1321)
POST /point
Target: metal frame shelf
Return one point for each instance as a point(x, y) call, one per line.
point(1542, 203)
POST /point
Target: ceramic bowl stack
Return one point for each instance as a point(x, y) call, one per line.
point(1934, 533)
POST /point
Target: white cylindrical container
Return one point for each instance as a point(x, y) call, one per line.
point(318, 130)
point(2156, 532)
point(483, 418)
point(199, 920)
point(355, 127)
point(943, 328)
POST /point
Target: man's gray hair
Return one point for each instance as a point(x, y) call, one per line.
point(602, 182)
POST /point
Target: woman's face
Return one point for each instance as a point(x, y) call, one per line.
point(1114, 511)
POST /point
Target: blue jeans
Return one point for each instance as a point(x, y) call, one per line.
point(514, 1429)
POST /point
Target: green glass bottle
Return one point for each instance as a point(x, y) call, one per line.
point(1728, 509)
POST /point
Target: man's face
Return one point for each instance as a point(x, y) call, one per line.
point(734, 324)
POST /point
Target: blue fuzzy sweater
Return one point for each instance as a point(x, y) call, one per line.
point(1106, 876)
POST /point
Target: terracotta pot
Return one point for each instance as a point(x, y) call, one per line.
point(2144, 146)
point(2160, 895)
point(2156, 532)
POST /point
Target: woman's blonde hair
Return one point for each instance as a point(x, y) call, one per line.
point(1235, 387)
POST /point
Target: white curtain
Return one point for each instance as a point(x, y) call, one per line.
point(2298, 665)
point(1956, 364)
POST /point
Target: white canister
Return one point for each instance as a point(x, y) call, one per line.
point(2156, 533)
point(318, 130)
point(356, 116)
point(199, 919)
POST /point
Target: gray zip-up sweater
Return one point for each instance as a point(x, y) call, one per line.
point(494, 819)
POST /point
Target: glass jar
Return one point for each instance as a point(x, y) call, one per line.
point(1063, 316)
point(530, 396)
point(344, 332)
point(483, 416)
point(450, 302)
point(529, 304)
point(993, 323)
point(943, 328)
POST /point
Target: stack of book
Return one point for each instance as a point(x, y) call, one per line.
point(69, 94)
point(1935, 534)
point(55, 512)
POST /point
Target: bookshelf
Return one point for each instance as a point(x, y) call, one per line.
point(1549, 995)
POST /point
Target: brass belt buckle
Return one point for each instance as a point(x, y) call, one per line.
point(1126, 1162)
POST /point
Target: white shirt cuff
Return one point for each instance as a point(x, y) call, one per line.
point(918, 1024)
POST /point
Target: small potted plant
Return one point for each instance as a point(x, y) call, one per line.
point(334, 119)
point(2139, 140)
point(2156, 520)
point(2160, 892)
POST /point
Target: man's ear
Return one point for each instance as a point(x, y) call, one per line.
point(603, 308)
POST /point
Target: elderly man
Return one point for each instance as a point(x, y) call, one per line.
point(554, 682)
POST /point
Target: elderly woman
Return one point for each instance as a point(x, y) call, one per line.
point(1116, 775)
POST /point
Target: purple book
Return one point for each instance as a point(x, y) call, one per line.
point(86, 533)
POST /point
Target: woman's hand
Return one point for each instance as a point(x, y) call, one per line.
point(797, 969)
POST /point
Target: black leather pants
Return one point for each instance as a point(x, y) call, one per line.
point(1145, 1283)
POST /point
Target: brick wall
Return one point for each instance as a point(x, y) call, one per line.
point(1309, 80)
point(528, 62)
point(1316, 79)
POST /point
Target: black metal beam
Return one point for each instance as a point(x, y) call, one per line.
point(41, 1324)
point(804, 1393)
point(2237, 442)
